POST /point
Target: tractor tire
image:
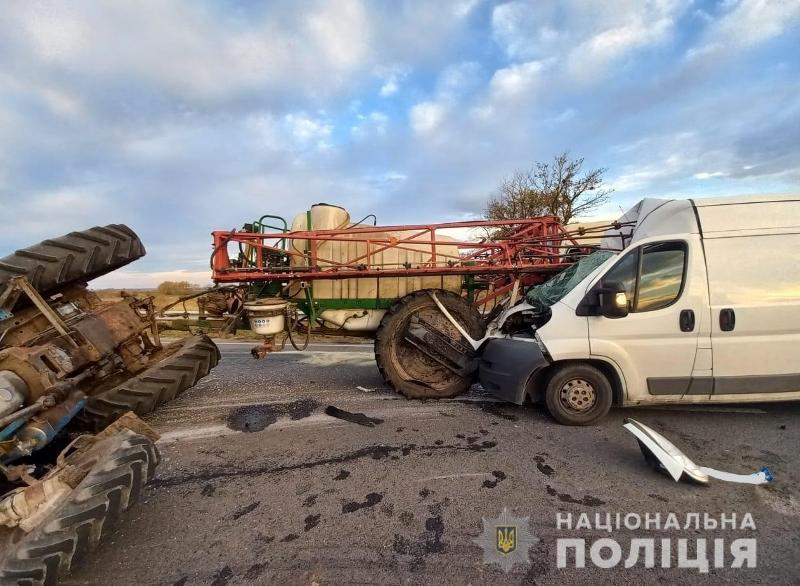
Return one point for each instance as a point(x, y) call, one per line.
point(121, 465)
point(76, 257)
point(407, 369)
point(162, 382)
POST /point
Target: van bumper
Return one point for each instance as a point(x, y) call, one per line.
point(507, 365)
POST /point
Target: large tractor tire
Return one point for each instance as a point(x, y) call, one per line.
point(76, 257)
point(181, 369)
point(418, 371)
point(120, 467)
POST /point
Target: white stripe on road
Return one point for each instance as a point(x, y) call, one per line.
point(449, 476)
point(319, 419)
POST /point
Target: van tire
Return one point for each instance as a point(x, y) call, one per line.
point(569, 386)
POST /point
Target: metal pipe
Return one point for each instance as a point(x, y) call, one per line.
point(41, 430)
point(51, 396)
point(28, 411)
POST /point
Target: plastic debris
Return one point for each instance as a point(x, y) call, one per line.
point(663, 455)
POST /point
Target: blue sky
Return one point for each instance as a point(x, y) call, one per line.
point(178, 117)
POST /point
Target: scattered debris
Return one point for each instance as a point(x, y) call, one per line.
point(255, 571)
point(499, 476)
point(366, 390)
point(587, 500)
point(221, 578)
point(662, 455)
point(358, 418)
point(372, 499)
point(311, 521)
point(244, 510)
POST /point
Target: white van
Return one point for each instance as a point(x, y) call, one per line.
point(688, 301)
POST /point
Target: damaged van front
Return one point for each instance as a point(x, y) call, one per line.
point(517, 356)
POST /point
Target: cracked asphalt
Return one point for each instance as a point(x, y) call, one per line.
point(258, 485)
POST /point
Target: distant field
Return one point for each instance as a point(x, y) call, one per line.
point(159, 299)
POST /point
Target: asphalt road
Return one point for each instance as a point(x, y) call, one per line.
point(259, 486)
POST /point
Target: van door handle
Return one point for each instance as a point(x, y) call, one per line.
point(686, 320)
point(727, 320)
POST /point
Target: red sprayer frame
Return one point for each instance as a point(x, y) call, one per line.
point(532, 249)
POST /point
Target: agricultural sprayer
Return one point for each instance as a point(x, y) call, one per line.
point(415, 289)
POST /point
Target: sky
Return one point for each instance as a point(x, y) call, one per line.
point(179, 117)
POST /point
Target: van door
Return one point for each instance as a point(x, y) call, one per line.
point(656, 343)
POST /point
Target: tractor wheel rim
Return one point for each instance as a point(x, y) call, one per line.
point(578, 395)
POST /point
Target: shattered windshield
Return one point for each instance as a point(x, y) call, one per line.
point(556, 288)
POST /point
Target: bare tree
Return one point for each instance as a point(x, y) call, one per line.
point(549, 189)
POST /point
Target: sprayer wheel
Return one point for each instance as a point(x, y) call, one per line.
point(407, 369)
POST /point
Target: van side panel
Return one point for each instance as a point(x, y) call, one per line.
point(758, 278)
point(753, 260)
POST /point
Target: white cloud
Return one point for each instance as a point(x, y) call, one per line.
point(703, 175)
point(374, 123)
point(745, 24)
point(55, 35)
point(308, 131)
point(517, 80)
point(525, 29)
point(390, 86)
point(588, 35)
point(180, 44)
point(426, 117)
point(463, 8)
point(392, 76)
point(651, 23)
point(457, 79)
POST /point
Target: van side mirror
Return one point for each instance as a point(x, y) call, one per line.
point(613, 300)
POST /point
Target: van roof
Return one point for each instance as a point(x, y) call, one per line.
point(654, 217)
point(739, 199)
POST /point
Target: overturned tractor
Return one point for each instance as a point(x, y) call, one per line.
point(75, 371)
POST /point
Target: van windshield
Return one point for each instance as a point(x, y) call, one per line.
point(556, 288)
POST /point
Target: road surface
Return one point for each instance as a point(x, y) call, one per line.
point(259, 486)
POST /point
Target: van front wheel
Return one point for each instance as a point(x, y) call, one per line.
point(578, 394)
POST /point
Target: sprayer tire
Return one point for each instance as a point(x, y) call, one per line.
point(121, 465)
point(162, 382)
point(395, 361)
point(53, 264)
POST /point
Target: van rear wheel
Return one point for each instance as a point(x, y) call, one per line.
point(578, 394)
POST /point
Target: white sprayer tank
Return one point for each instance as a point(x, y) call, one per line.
point(330, 217)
